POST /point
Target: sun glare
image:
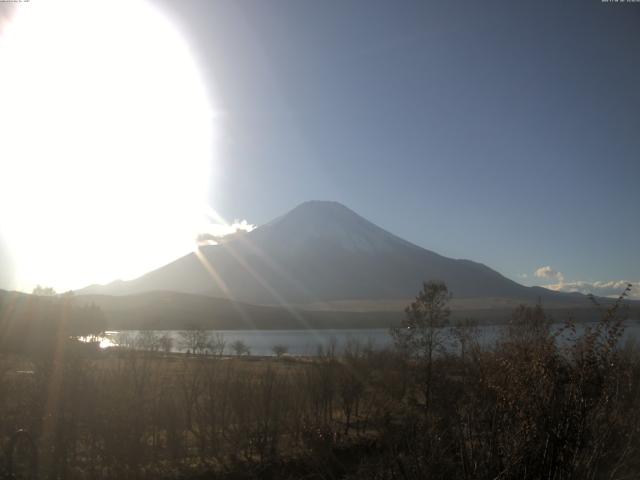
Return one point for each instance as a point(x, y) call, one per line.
point(106, 142)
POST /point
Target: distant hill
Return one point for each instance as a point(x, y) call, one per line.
point(32, 323)
point(38, 320)
point(177, 311)
point(321, 253)
point(28, 319)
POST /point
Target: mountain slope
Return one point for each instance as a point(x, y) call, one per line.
point(319, 252)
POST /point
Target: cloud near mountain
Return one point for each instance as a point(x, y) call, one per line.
point(550, 273)
point(611, 288)
point(217, 232)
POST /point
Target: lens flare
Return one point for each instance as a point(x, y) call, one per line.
point(106, 142)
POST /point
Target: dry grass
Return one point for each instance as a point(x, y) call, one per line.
point(525, 408)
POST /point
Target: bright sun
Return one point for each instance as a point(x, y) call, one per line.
point(106, 142)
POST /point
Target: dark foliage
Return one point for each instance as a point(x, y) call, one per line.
point(528, 407)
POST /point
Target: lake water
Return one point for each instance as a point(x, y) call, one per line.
point(307, 342)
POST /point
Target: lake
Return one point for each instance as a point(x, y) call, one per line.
point(307, 342)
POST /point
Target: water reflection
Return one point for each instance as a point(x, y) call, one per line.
point(296, 342)
point(104, 341)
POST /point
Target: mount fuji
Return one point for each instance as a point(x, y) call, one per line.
point(323, 252)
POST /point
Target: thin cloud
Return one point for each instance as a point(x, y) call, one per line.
point(549, 273)
point(612, 288)
point(216, 233)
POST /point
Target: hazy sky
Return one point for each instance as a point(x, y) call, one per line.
point(505, 132)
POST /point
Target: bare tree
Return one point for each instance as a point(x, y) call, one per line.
point(217, 343)
point(124, 340)
point(148, 340)
point(465, 333)
point(280, 350)
point(44, 291)
point(197, 341)
point(420, 334)
point(240, 348)
point(166, 343)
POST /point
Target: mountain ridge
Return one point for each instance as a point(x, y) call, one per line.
point(322, 251)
